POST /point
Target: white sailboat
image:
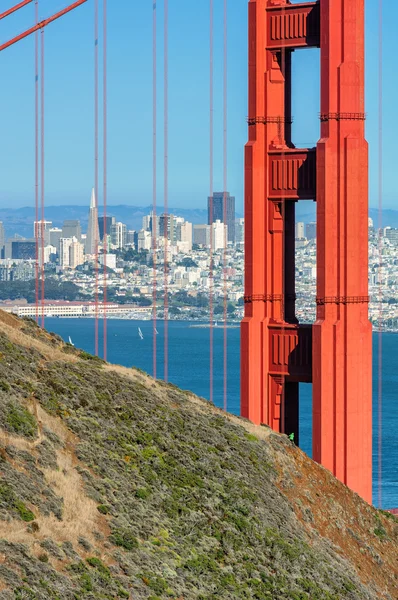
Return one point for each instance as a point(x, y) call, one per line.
point(70, 341)
point(140, 333)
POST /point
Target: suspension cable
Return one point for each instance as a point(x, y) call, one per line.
point(37, 162)
point(211, 202)
point(225, 181)
point(105, 172)
point(42, 179)
point(15, 8)
point(154, 190)
point(96, 113)
point(380, 249)
point(166, 191)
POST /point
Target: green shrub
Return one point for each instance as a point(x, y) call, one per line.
point(24, 512)
point(85, 583)
point(21, 421)
point(380, 532)
point(24, 593)
point(86, 356)
point(4, 386)
point(251, 437)
point(142, 493)
point(96, 563)
point(9, 499)
point(124, 538)
point(155, 582)
point(103, 509)
point(43, 557)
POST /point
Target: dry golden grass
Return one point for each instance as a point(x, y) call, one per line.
point(22, 339)
point(80, 514)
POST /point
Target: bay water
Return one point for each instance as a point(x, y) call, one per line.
point(189, 354)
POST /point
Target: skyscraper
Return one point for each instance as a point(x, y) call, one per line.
point(167, 224)
point(105, 221)
point(71, 228)
point(42, 227)
point(76, 253)
point(55, 235)
point(310, 231)
point(64, 248)
point(300, 231)
point(201, 235)
point(92, 237)
point(118, 235)
point(218, 212)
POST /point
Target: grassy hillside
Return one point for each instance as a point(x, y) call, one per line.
point(116, 486)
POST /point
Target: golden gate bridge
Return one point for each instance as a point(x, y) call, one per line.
point(334, 354)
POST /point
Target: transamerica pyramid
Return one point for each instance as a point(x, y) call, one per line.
point(92, 238)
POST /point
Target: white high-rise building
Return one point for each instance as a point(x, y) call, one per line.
point(48, 252)
point(184, 234)
point(42, 228)
point(300, 235)
point(64, 255)
point(76, 253)
point(220, 234)
point(144, 240)
point(110, 260)
point(146, 222)
point(119, 235)
point(92, 238)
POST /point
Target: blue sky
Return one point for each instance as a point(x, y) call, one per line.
point(69, 102)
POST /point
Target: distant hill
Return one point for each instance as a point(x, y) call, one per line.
point(114, 485)
point(20, 220)
point(306, 212)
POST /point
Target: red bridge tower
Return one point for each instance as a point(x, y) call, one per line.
point(335, 353)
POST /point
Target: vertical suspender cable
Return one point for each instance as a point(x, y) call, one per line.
point(166, 208)
point(96, 168)
point(211, 203)
point(154, 189)
point(37, 161)
point(105, 172)
point(42, 180)
point(225, 172)
point(380, 243)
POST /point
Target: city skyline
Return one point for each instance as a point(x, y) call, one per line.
point(130, 166)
